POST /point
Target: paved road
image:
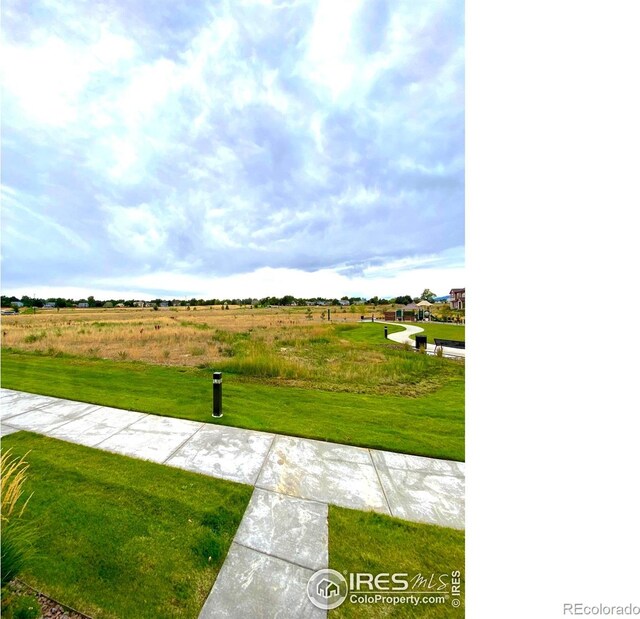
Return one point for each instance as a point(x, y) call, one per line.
point(283, 537)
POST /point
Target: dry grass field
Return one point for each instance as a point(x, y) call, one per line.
point(287, 370)
point(296, 346)
point(173, 336)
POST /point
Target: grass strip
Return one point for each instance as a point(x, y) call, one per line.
point(430, 425)
point(119, 537)
point(365, 542)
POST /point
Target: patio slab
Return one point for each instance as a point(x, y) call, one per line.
point(288, 528)
point(423, 489)
point(152, 438)
point(252, 584)
point(96, 426)
point(325, 472)
point(227, 453)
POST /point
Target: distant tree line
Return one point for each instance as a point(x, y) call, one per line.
point(287, 300)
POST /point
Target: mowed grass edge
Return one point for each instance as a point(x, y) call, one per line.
point(376, 544)
point(119, 537)
point(430, 425)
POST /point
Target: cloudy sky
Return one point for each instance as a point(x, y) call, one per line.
point(216, 149)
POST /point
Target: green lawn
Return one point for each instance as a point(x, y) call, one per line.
point(367, 332)
point(429, 425)
point(118, 537)
point(373, 333)
point(441, 331)
point(377, 544)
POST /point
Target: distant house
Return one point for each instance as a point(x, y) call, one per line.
point(49, 305)
point(164, 303)
point(345, 302)
point(139, 303)
point(456, 300)
point(17, 303)
point(83, 304)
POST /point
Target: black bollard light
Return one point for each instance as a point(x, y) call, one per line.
point(386, 329)
point(217, 394)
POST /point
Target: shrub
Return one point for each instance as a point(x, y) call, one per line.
point(15, 537)
point(35, 337)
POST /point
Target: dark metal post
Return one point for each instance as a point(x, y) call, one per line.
point(386, 329)
point(217, 394)
point(329, 314)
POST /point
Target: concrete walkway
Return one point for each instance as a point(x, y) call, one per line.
point(283, 537)
point(404, 337)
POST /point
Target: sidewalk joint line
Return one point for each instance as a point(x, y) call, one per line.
point(266, 457)
point(266, 554)
point(292, 496)
point(384, 494)
point(179, 447)
point(64, 423)
point(124, 428)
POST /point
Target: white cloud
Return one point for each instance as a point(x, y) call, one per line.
point(16, 216)
point(261, 283)
point(136, 230)
point(291, 135)
point(46, 80)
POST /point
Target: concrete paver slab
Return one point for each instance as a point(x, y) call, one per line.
point(51, 415)
point(152, 438)
point(9, 394)
point(5, 430)
point(12, 406)
point(257, 586)
point(422, 489)
point(228, 453)
point(68, 408)
point(418, 463)
point(325, 472)
point(96, 426)
point(292, 529)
